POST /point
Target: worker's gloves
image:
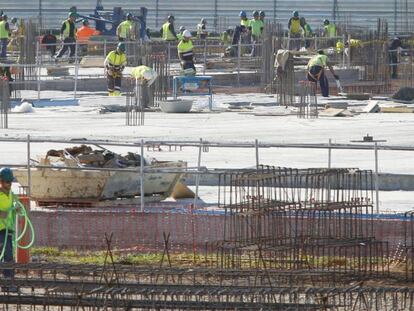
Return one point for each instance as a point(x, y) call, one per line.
point(336, 77)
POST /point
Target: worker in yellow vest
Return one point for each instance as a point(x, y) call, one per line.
point(68, 36)
point(4, 36)
point(180, 34)
point(114, 65)
point(145, 77)
point(7, 218)
point(185, 53)
point(125, 30)
point(244, 21)
point(256, 26)
point(329, 29)
point(295, 30)
point(316, 71)
point(167, 30)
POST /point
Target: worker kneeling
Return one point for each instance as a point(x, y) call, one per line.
point(115, 64)
point(316, 71)
point(185, 53)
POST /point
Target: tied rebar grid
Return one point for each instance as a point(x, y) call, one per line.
point(308, 104)
point(115, 287)
point(4, 103)
point(159, 89)
point(136, 98)
point(298, 219)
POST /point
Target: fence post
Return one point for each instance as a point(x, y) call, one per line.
point(238, 62)
point(142, 190)
point(329, 153)
point(205, 57)
point(104, 48)
point(256, 144)
point(376, 178)
point(75, 88)
point(198, 175)
point(29, 173)
point(38, 68)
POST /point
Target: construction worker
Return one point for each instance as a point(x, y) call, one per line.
point(185, 53)
point(146, 76)
point(167, 30)
point(316, 71)
point(125, 30)
point(49, 40)
point(295, 30)
point(85, 32)
point(68, 36)
point(202, 32)
point(244, 21)
point(329, 29)
point(114, 64)
point(256, 26)
point(4, 36)
point(262, 16)
point(226, 36)
point(7, 218)
point(394, 51)
point(180, 34)
point(307, 32)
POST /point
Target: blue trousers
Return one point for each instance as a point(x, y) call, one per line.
point(3, 46)
point(317, 73)
point(8, 253)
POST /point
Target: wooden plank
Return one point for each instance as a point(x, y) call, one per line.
point(397, 109)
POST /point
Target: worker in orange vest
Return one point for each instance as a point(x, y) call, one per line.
point(85, 32)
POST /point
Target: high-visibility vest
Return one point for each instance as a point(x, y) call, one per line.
point(295, 27)
point(330, 31)
point(138, 72)
point(167, 35)
point(66, 32)
point(245, 22)
point(85, 32)
point(4, 34)
point(308, 30)
point(185, 47)
point(6, 205)
point(116, 59)
point(318, 60)
point(256, 26)
point(125, 29)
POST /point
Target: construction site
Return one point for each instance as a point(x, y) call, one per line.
point(250, 183)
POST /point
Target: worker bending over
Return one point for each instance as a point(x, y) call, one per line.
point(7, 219)
point(145, 77)
point(185, 53)
point(114, 64)
point(125, 30)
point(295, 30)
point(202, 32)
point(316, 71)
point(68, 36)
point(167, 30)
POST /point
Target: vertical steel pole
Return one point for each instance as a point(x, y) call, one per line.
point(200, 149)
point(376, 178)
point(75, 88)
point(104, 48)
point(329, 153)
point(38, 68)
point(256, 144)
point(238, 62)
point(205, 57)
point(29, 173)
point(142, 190)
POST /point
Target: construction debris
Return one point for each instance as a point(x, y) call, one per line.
point(404, 94)
point(333, 112)
point(397, 109)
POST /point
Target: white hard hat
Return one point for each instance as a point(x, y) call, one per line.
point(187, 34)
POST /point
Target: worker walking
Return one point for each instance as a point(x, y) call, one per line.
point(4, 36)
point(295, 30)
point(307, 32)
point(125, 30)
point(167, 30)
point(316, 71)
point(185, 53)
point(114, 64)
point(202, 32)
point(256, 26)
point(68, 36)
point(7, 219)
